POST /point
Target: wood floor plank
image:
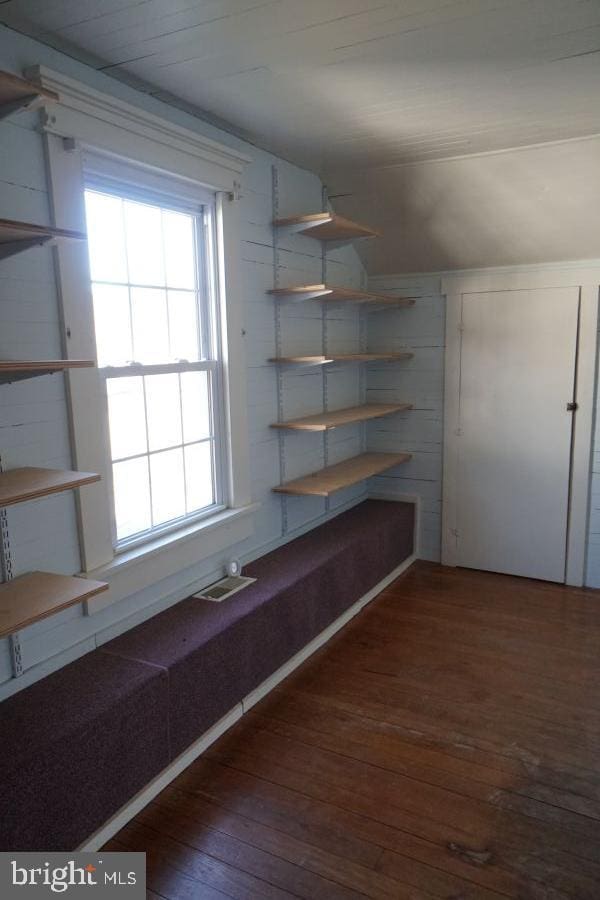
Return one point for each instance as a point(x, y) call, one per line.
point(504, 869)
point(537, 739)
point(504, 594)
point(555, 699)
point(277, 807)
point(166, 882)
point(567, 644)
point(198, 865)
point(436, 762)
point(535, 718)
point(337, 877)
point(516, 838)
point(582, 676)
point(433, 768)
point(578, 661)
point(445, 744)
point(402, 802)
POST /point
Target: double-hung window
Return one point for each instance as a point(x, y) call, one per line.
point(152, 260)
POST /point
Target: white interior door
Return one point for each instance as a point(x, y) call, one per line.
point(517, 372)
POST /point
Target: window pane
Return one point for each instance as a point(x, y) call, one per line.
point(195, 406)
point(164, 411)
point(183, 325)
point(199, 476)
point(179, 244)
point(112, 324)
point(132, 497)
point(147, 265)
point(168, 489)
point(150, 325)
point(126, 417)
point(144, 243)
point(106, 237)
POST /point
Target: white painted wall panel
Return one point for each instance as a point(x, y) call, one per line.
point(33, 414)
point(419, 380)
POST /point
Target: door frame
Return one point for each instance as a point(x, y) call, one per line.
point(586, 278)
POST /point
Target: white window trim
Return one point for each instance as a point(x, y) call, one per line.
point(110, 124)
point(102, 173)
point(165, 555)
point(86, 118)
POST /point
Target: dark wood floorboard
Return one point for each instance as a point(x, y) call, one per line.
point(445, 744)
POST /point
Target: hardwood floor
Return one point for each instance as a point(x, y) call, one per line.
point(446, 744)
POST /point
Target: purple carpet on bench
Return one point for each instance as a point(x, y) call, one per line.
point(76, 746)
point(79, 744)
point(216, 653)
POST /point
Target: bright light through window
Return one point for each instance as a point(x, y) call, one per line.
point(151, 281)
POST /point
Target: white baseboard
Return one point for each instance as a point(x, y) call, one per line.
point(143, 797)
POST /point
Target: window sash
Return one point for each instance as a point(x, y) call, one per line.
point(202, 207)
point(205, 291)
point(136, 182)
point(121, 545)
point(146, 537)
point(134, 368)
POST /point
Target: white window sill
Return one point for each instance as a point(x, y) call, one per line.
point(145, 565)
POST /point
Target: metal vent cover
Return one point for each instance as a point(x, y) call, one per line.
point(225, 588)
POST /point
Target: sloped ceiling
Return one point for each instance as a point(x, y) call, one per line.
point(353, 89)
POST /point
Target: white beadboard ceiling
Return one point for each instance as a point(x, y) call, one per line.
point(349, 87)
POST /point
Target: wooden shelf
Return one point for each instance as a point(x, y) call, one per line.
point(29, 483)
point(327, 227)
point(17, 93)
point(328, 293)
point(338, 417)
point(17, 370)
point(340, 357)
point(18, 236)
point(344, 474)
point(36, 596)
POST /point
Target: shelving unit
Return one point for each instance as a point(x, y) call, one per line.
point(325, 421)
point(15, 237)
point(30, 483)
point(328, 293)
point(37, 595)
point(18, 370)
point(326, 226)
point(334, 478)
point(17, 94)
point(340, 358)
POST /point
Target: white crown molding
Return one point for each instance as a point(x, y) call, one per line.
point(572, 264)
point(102, 121)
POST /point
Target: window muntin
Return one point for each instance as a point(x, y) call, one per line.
point(152, 271)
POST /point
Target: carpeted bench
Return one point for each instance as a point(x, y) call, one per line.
point(75, 746)
point(79, 744)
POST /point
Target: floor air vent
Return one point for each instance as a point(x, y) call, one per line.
point(225, 588)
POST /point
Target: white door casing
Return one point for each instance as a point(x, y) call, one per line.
point(541, 528)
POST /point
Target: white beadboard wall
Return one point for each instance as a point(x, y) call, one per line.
point(33, 414)
point(420, 380)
